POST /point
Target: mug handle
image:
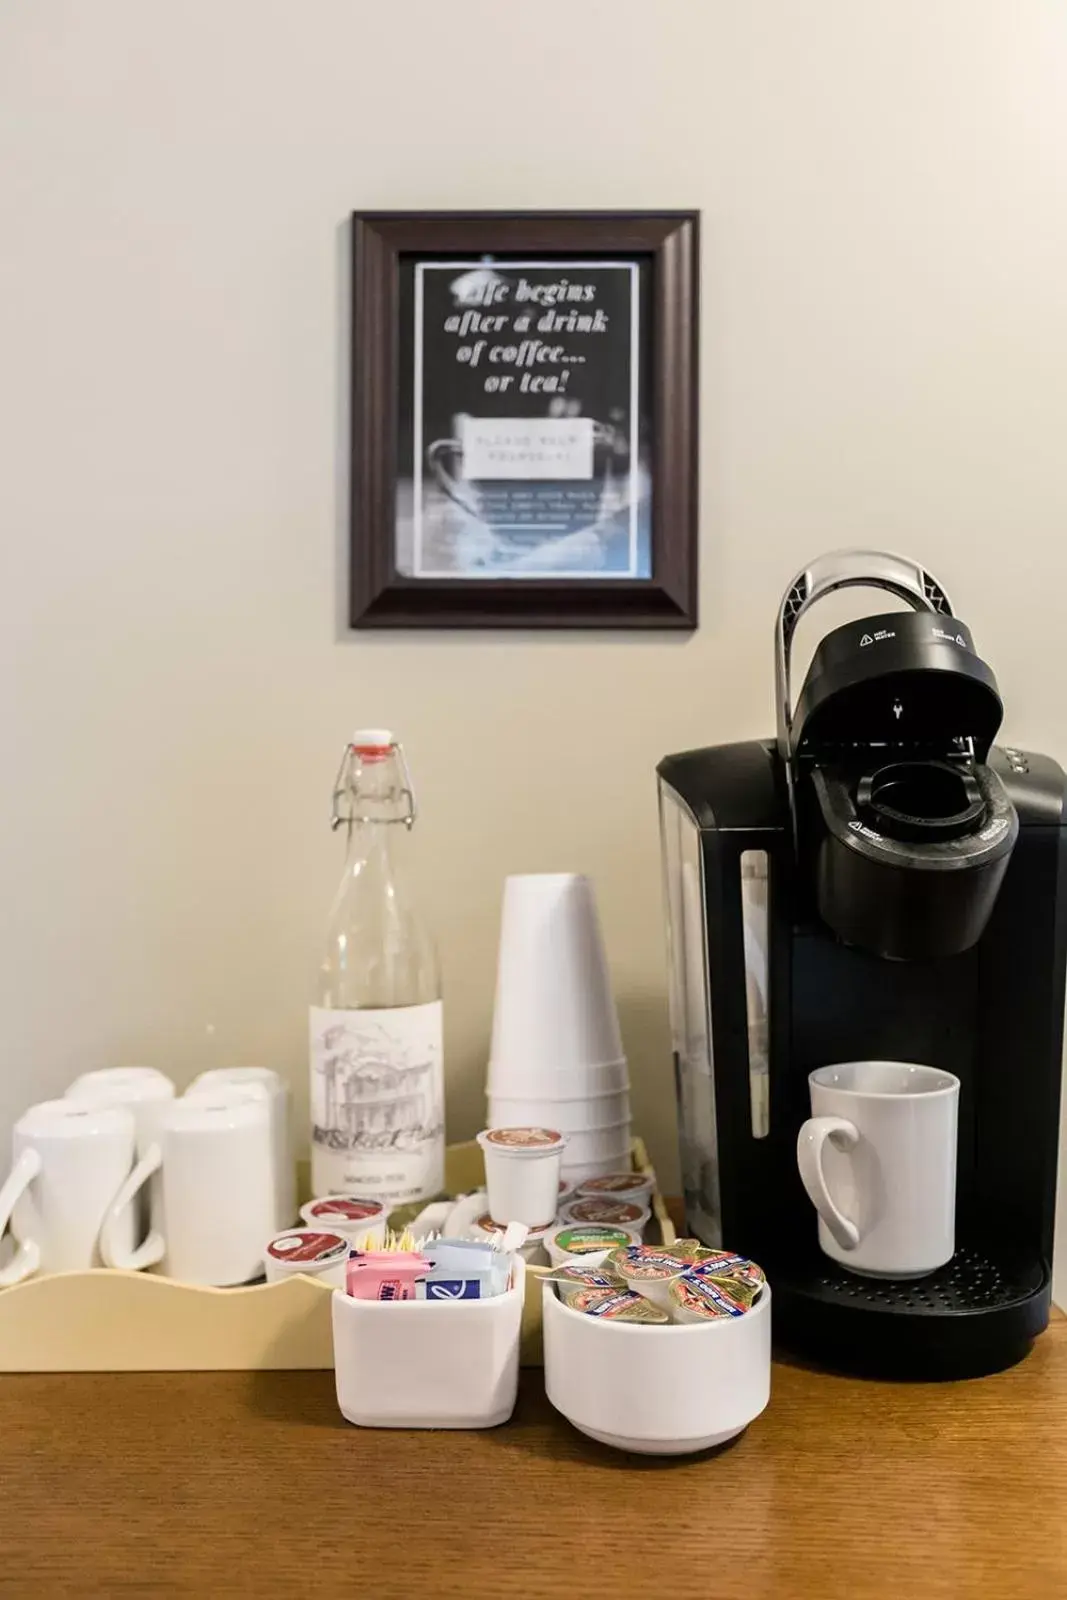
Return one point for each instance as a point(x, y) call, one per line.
point(445, 480)
point(151, 1249)
point(810, 1140)
point(27, 1257)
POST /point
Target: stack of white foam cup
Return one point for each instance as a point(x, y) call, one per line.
point(556, 1058)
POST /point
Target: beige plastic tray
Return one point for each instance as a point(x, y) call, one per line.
point(110, 1321)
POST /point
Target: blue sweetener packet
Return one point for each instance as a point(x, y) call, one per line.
point(463, 1269)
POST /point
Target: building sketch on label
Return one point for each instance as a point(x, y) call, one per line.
point(374, 1089)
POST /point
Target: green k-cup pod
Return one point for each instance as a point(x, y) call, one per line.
point(579, 1241)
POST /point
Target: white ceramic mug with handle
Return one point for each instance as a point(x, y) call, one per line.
point(878, 1160)
point(146, 1092)
point(143, 1089)
point(69, 1162)
point(279, 1098)
point(214, 1161)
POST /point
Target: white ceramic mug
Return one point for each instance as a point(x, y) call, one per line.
point(277, 1091)
point(214, 1158)
point(69, 1161)
point(878, 1159)
point(145, 1091)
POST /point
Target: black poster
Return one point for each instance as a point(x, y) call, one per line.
point(523, 443)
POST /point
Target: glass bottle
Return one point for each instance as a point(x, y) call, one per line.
point(377, 1083)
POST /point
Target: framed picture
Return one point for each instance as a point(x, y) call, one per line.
point(524, 419)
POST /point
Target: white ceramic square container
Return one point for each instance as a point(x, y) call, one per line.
point(428, 1364)
point(657, 1391)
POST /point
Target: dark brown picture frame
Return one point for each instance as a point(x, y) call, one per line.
point(382, 597)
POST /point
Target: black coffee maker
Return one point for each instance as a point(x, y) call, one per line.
point(881, 882)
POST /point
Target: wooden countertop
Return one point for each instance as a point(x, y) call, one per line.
point(214, 1484)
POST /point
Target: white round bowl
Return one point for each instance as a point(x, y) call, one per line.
point(657, 1391)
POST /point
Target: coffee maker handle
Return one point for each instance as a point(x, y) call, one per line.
point(843, 569)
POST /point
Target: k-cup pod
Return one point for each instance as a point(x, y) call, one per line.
point(522, 1173)
point(607, 1213)
point(533, 1251)
point(576, 1172)
point(554, 1010)
point(635, 1186)
point(648, 1270)
point(570, 1241)
point(318, 1254)
point(362, 1221)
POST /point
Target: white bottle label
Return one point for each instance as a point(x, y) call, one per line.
point(377, 1102)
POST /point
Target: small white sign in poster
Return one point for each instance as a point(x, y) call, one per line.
point(523, 447)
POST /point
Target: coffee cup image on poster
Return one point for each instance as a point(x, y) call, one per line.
point(523, 442)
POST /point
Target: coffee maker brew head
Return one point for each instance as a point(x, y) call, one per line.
point(900, 826)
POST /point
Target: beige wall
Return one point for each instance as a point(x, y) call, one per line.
point(884, 190)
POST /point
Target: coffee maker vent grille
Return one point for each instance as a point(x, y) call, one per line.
point(972, 1281)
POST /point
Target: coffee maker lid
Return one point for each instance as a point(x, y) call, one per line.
point(899, 678)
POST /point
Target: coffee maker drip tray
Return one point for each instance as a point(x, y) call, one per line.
point(978, 1314)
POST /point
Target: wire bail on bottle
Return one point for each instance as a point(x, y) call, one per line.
point(345, 788)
